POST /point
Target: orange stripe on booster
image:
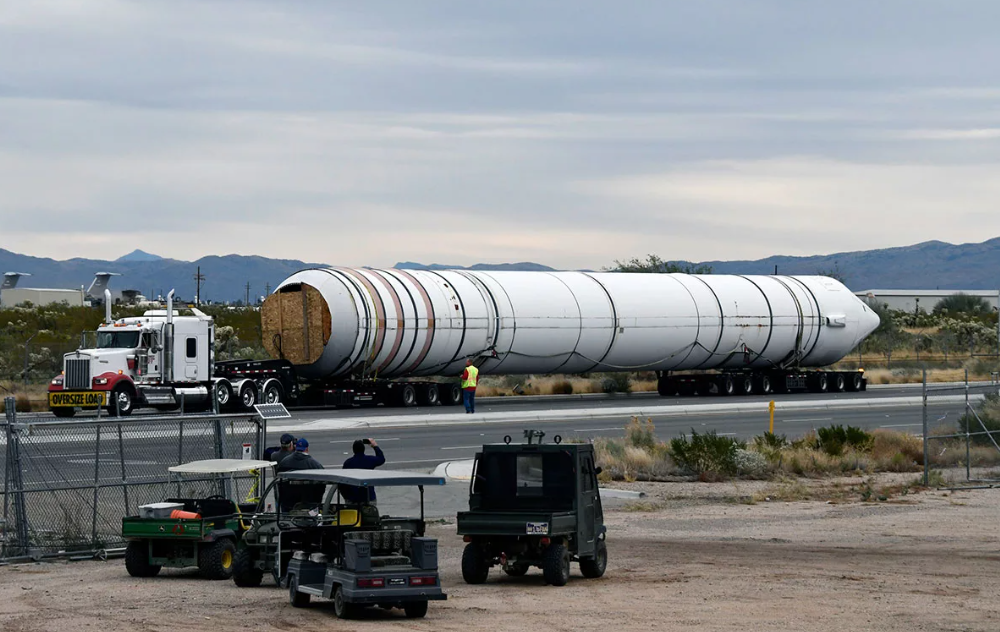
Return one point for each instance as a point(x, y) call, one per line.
point(379, 310)
point(399, 319)
point(430, 319)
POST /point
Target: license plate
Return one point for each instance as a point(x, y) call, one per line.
point(78, 398)
point(397, 581)
point(537, 528)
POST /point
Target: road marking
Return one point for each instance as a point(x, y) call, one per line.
point(900, 425)
point(597, 429)
point(463, 447)
point(379, 440)
point(807, 419)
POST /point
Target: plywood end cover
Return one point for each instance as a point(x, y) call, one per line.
point(296, 324)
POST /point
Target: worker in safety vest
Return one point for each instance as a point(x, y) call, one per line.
point(470, 377)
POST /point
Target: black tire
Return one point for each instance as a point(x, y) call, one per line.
point(122, 398)
point(666, 387)
point(296, 598)
point(594, 567)
point(555, 565)
point(839, 383)
point(415, 609)
point(475, 567)
point(272, 394)
point(727, 386)
point(821, 384)
point(248, 396)
point(855, 382)
point(407, 396)
point(215, 560)
point(244, 573)
point(745, 385)
point(450, 394)
point(764, 384)
point(64, 413)
point(224, 394)
point(342, 608)
point(516, 570)
point(137, 560)
point(429, 395)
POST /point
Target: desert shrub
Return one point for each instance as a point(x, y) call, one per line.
point(896, 451)
point(616, 383)
point(987, 414)
point(641, 435)
point(562, 387)
point(834, 438)
point(751, 464)
point(706, 453)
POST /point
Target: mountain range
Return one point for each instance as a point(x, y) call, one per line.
point(928, 265)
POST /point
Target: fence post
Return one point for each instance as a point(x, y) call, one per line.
point(927, 469)
point(220, 453)
point(121, 457)
point(180, 451)
point(97, 480)
point(16, 480)
point(968, 430)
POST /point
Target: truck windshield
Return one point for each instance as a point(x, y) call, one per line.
point(117, 339)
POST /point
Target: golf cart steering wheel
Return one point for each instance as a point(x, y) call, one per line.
point(215, 497)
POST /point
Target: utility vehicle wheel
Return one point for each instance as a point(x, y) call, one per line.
point(450, 394)
point(407, 396)
point(123, 399)
point(429, 395)
point(224, 394)
point(272, 394)
point(555, 565)
point(475, 568)
point(64, 413)
point(244, 573)
point(215, 560)
point(415, 609)
point(516, 570)
point(727, 386)
point(137, 560)
point(855, 382)
point(745, 385)
point(839, 383)
point(341, 608)
point(301, 599)
point(248, 396)
point(594, 567)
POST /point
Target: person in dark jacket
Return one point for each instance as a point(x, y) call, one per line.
point(362, 461)
point(286, 448)
point(292, 493)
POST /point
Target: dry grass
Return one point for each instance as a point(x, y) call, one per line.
point(33, 397)
point(513, 386)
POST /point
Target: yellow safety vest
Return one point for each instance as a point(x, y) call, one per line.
point(473, 377)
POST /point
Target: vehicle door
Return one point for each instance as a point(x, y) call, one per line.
point(589, 507)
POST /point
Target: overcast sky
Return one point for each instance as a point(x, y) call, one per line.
point(568, 133)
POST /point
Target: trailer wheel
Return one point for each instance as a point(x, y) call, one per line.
point(248, 395)
point(407, 396)
point(745, 385)
point(450, 394)
point(215, 560)
point(429, 395)
point(839, 383)
point(764, 384)
point(726, 385)
point(137, 560)
point(821, 383)
point(475, 566)
point(594, 567)
point(555, 565)
point(855, 382)
point(272, 393)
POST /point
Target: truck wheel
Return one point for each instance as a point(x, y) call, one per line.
point(137, 560)
point(839, 383)
point(272, 394)
point(244, 573)
point(745, 385)
point(407, 396)
point(855, 382)
point(555, 565)
point(593, 567)
point(341, 607)
point(248, 396)
point(215, 560)
point(450, 394)
point(64, 413)
point(224, 394)
point(300, 599)
point(727, 386)
point(415, 609)
point(123, 399)
point(764, 384)
point(516, 570)
point(475, 567)
point(821, 383)
point(429, 395)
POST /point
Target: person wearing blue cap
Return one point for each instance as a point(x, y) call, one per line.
point(287, 448)
point(292, 494)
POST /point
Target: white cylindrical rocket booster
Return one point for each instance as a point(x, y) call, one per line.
point(340, 322)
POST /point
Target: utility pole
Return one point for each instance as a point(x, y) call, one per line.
point(247, 304)
point(267, 290)
point(199, 277)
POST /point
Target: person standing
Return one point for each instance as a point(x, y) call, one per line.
point(291, 493)
point(361, 461)
point(287, 448)
point(470, 378)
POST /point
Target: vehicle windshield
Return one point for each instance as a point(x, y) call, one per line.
point(117, 339)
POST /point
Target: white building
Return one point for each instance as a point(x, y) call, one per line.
point(912, 300)
point(41, 296)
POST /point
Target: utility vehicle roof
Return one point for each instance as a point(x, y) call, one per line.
point(363, 478)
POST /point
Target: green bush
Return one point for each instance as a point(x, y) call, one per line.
point(706, 453)
point(617, 383)
point(834, 438)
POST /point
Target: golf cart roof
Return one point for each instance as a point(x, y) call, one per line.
point(363, 478)
point(219, 466)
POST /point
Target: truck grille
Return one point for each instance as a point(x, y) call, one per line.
point(77, 374)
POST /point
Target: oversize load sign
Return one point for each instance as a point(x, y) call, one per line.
point(79, 398)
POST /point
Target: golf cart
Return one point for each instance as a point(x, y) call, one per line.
point(326, 547)
point(202, 532)
point(534, 504)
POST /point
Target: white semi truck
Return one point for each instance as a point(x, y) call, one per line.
point(345, 336)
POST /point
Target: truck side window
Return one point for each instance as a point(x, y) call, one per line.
point(192, 347)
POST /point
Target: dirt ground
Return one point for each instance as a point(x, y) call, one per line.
point(691, 556)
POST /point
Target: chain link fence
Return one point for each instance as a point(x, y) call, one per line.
point(961, 433)
point(67, 484)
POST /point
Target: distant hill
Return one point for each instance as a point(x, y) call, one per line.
point(521, 267)
point(139, 255)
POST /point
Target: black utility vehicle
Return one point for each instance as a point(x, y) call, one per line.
point(534, 504)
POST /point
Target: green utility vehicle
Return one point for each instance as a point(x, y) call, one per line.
point(320, 545)
point(203, 531)
point(534, 504)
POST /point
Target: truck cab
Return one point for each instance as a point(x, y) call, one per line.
point(160, 359)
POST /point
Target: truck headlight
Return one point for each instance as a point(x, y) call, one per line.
point(57, 380)
point(100, 381)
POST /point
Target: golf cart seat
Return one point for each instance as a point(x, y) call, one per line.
point(389, 548)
